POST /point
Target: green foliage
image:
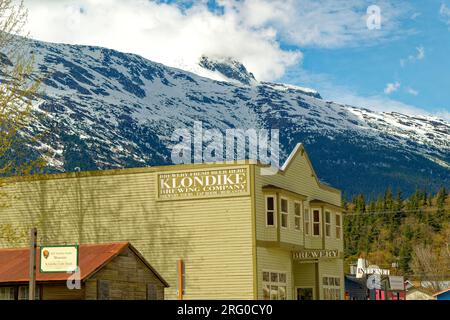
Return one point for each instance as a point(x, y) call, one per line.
point(389, 228)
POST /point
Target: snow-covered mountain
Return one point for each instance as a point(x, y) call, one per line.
point(107, 109)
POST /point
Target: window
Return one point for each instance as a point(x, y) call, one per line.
point(23, 293)
point(270, 211)
point(274, 285)
point(316, 222)
point(6, 293)
point(103, 290)
point(328, 223)
point(306, 218)
point(152, 292)
point(297, 215)
point(338, 226)
point(331, 288)
point(284, 213)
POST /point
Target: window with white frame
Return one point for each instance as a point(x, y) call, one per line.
point(6, 293)
point(297, 215)
point(270, 211)
point(316, 222)
point(274, 285)
point(307, 220)
point(327, 223)
point(338, 226)
point(284, 212)
point(331, 288)
point(24, 295)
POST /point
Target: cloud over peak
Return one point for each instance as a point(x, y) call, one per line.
point(255, 32)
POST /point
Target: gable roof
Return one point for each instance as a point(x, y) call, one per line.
point(300, 149)
point(14, 263)
point(441, 292)
point(428, 292)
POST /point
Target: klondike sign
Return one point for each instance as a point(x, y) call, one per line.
point(203, 183)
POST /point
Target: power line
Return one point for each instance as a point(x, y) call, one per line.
point(348, 213)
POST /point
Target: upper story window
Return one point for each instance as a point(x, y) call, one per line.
point(327, 223)
point(297, 215)
point(338, 226)
point(316, 222)
point(270, 211)
point(307, 220)
point(284, 208)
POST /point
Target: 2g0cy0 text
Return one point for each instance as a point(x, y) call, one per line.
point(227, 309)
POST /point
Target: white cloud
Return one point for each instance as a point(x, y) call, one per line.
point(161, 32)
point(444, 114)
point(412, 92)
point(420, 55)
point(323, 23)
point(382, 104)
point(415, 15)
point(392, 87)
point(444, 12)
point(249, 31)
point(327, 87)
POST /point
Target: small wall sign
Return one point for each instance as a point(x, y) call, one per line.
point(315, 254)
point(58, 258)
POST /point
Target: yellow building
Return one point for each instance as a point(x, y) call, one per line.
point(239, 233)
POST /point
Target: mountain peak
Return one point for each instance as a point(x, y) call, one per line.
point(231, 69)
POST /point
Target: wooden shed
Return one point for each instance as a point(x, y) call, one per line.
point(112, 271)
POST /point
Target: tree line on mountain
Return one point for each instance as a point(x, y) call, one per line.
point(410, 236)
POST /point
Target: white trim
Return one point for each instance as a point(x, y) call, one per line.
point(335, 225)
point(322, 286)
point(278, 283)
point(320, 222)
point(330, 224)
point(274, 210)
point(284, 213)
point(291, 156)
point(307, 231)
point(300, 216)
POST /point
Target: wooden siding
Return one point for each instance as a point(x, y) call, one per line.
point(304, 275)
point(298, 178)
point(332, 268)
point(61, 292)
point(276, 260)
point(212, 236)
point(128, 278)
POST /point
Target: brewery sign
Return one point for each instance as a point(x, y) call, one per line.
point(203, 183)
point(315, 254)
point(58, 258)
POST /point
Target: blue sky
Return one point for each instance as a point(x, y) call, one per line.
point(366, 70)
point(323, 44)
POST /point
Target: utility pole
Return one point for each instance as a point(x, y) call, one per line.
point(33, 246)
point(180, 282)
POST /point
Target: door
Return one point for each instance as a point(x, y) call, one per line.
point(304, 293)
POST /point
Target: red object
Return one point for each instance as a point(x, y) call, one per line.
point(14, 263)
point(397, 295)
